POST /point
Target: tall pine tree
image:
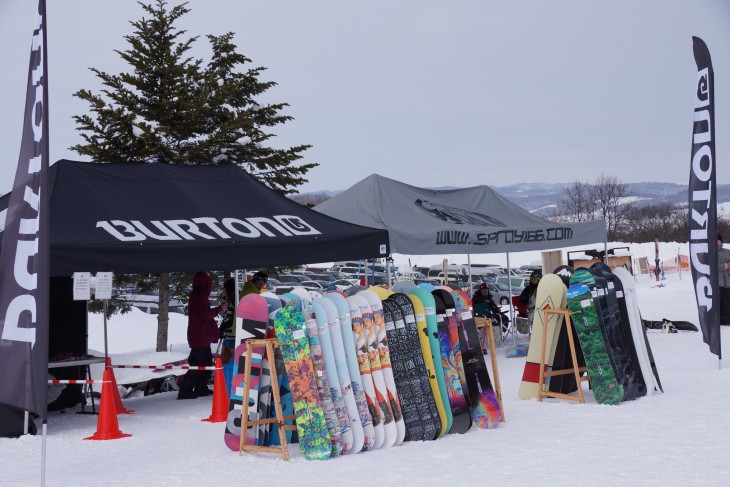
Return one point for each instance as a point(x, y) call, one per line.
point(172, 108)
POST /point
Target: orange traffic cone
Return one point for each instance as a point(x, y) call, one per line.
point(115, 390)
point(219, 411)
point(107, 427)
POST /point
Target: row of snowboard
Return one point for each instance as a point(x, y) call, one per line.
point(610, 338)
point(362, 372)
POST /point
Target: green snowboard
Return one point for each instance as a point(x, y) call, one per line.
point(585, 320)
point(291, 330)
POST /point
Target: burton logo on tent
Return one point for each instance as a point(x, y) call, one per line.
point(208, 228)
point(459, 216)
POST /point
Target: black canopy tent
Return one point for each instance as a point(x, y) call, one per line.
point(138, 218)
point(132, 218)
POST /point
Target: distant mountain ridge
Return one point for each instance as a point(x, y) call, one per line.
point(541, 198)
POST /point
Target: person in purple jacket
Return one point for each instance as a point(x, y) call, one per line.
point(202, 331)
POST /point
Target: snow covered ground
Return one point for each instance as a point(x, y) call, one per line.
point(681, 437)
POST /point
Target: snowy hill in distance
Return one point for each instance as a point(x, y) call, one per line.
point(542, 198)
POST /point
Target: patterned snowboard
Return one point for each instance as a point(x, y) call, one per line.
point(485, 410)
point(333, 377)
point(617, 306)
point(613, 336)
point(353, 370)
point(399, 361)
point(366, 375)
point(420, 316)
point(409, 342)
point(343, 374)
point(600, 371)
point(456, 335)
point(550, 295)
point(322, 381)
point(252, 316)
point(383, 347)
point(376, 369)
point(312, 430)
point(429, 308)
point(638, 332)
point(457, 401)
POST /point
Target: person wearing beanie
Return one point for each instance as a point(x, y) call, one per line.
point(723, 264)
point(202, 331)
point(256, 284)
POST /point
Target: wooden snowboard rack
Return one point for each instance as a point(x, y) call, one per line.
point(488, 335)
point(575, 370)
point(269, 345)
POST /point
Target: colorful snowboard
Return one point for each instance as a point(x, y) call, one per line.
point(252, 317)
point(353, 370)
point(322, 380)
point(600, 371)
point(383, 347)
point(456, 335)
point(376, 370)
point(457, 401)
point(612, 335)
point(485, 410)
point(366, 375)
point(429, 308)
point(333, 376)
point(312, 430)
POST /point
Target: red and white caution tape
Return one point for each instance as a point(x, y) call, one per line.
point(76, 381)
point(165, 367)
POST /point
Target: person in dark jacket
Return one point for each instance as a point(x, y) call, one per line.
point(529, 294)
point(202, 331)
point(484, 305)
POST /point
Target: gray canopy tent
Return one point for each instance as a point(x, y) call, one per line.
point(473, 220)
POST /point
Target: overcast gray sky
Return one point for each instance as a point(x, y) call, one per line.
point(428, 92)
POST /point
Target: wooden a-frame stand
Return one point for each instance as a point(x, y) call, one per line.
point(575, 370)
point(486, 324)
point(269, 344)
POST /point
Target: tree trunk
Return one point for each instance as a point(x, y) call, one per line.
point(163, 317)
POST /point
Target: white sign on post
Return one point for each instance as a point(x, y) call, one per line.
point(103, 285)
point(82, 286)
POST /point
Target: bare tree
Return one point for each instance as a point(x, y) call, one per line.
point(578, 204)
point(610, 197)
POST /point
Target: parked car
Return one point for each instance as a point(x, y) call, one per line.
point(343, 284)
point(335, 274)
point(516, 283)
point(292, 278)
point(312, 285)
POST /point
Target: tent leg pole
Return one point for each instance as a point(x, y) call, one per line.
point(387, 271)
point(43, 453)
point(468, 263)
point(511, 304)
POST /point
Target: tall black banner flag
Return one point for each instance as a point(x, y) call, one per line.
point(703, 201)
point(24, 258)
